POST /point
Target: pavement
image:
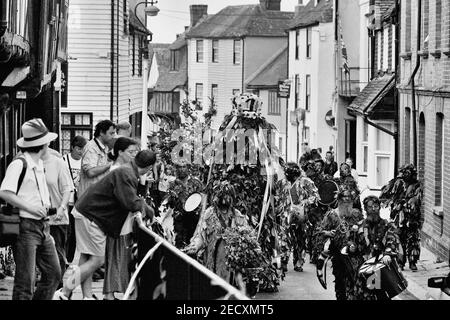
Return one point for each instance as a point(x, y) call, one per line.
point(305, 286)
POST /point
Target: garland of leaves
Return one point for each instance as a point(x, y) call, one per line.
point(404, 194)
point(250, 185)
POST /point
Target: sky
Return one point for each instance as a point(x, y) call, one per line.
point(174, 15)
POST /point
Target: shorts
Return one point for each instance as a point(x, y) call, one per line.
point(90, 238)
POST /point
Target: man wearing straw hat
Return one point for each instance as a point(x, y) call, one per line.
point(34, 246)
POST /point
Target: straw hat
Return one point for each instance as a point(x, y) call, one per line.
point(35, 134)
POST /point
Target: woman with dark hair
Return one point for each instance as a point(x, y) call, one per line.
point(118, 250)
point(208, 236)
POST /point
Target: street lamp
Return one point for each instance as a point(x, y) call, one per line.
point(150, 11)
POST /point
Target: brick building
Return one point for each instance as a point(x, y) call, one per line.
point(425, 111)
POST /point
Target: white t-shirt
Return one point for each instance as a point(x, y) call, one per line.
point(75, 166)
point(32, 194)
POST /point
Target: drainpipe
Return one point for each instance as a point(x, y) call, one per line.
point(413, 85)
point(111, 111)
point(396, 96)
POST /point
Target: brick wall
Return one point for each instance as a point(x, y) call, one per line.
point(433, 98)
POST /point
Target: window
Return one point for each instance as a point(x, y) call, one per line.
point(308, 42)
point(214, 93)
point(308, 93)
point(274, 103)
point(379, 45)
point(408, 26)
point(236, 92)
point(439, 142)
point(199, 51)
point(384, 141)
point(199, 92)
point(421, 152)
point(297, 44)
point(306, 135)
point(365, 146)
point(174, 60)
point(75, 124)
point(385, 49)
point(438, 24)
point(425, 24)
point(407, 135)
point(297, 91)
point(136, 125)
point(215, 51)
point(237, 52)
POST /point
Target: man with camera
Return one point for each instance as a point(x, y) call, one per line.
point(60, 188)
point(34, 246)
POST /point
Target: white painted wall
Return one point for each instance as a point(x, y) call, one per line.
point(321, 68)
point(224, 73)
point(89, 47)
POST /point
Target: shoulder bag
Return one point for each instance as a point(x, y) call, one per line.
point(9, 216)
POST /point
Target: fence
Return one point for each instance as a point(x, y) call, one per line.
point(169, 274)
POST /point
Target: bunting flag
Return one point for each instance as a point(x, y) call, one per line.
point(343, 49)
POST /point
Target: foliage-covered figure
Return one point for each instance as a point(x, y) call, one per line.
point(336, 238)
point(208, 239)
point(403, 195)
point(315, 211)
point(250, 177)
point(377, 238)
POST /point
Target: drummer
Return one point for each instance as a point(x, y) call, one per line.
point(377, 238)
point(184, 223)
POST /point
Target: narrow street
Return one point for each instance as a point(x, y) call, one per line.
point(302, 286)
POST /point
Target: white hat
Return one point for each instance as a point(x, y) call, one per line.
point(35, 134)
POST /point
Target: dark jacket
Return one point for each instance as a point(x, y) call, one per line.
point(108, 201)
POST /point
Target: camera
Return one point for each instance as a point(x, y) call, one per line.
point(52, 211)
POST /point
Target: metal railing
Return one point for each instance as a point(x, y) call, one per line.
point(166, 273)
point(349, 82)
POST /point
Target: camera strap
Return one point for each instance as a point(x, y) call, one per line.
point(39, 189)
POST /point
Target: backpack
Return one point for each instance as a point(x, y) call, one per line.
point(9, 216)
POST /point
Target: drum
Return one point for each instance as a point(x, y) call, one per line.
point(193, 202)
point(387, 279)
point(328, 191)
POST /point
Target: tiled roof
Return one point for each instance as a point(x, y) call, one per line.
point(242, 21)
point(269, 74)
point(311, 14)
point(370, 97)
point(168, 80)
point(385, 5)
point(389, 12)
point(179, 43)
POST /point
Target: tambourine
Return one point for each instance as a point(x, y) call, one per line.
point(193, 202)
point(328, 191)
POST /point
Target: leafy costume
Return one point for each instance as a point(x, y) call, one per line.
point(209, 238)
point(375, 238)
point(344, 267)
point(184, 222)
point(403, 195)
point(250, 180)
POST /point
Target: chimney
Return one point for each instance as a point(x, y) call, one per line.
point(299, 7)
point(197, 12)
point(274, 5)
point(186, 28)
